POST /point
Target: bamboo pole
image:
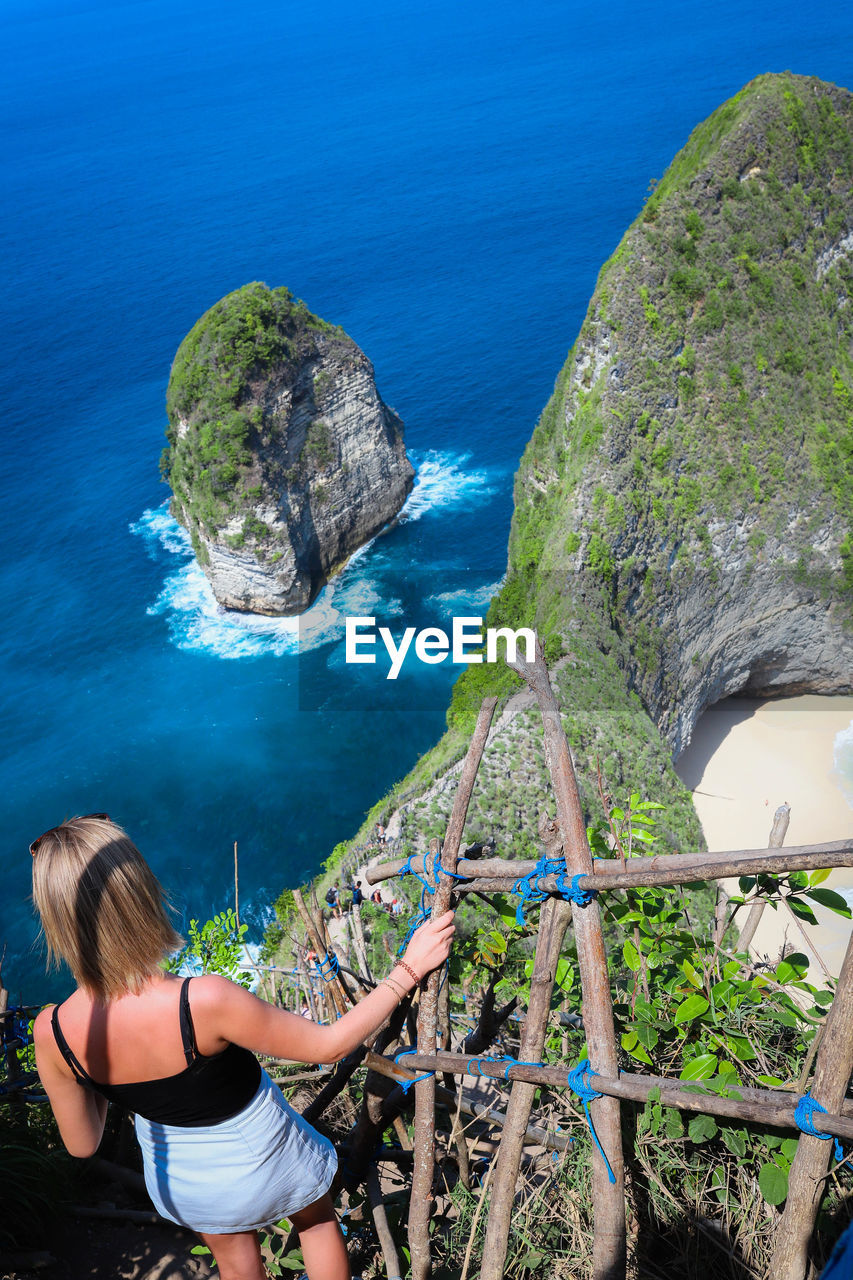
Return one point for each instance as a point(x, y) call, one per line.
point(383, 1231)
point(609, 1245)
point(554, 919)
point(834, 1065)
point(778, 832)
point(775, 1109)
point(663, 868)
point(395, 1071)
point(424, 1139)
point(333, 987)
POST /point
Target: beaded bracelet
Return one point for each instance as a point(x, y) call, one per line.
point(396, 987)
point(410, 971)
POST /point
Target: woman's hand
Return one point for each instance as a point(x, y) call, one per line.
point(430, 944)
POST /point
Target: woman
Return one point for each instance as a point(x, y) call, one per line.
point(223, 1152)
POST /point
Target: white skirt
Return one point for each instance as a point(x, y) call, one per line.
point(263, 1164)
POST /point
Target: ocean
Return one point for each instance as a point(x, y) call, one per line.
point(443, 181)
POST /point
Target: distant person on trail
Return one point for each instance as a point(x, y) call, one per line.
point(223, 1152)
point(334, 900)
point(357, 895)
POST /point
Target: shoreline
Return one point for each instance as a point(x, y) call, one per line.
point(748, 756)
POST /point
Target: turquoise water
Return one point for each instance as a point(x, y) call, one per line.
point(445, 182)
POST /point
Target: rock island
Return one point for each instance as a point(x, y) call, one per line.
point(283, 458)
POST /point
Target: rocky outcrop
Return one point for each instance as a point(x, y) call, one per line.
point(683, 511)
point(283, 458)
point(692, 478)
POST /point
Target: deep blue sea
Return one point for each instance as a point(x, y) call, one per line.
point(444, 181)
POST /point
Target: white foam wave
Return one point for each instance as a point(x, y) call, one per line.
point(843, 760)
point(442, 481)
point(157, 528)
point(452, 603)
point(197, 621)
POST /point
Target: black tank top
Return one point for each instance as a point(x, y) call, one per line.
point(208, 1090)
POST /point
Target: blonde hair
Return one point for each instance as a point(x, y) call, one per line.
point(102, 909)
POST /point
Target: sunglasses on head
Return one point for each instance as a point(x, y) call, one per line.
point(104, 817)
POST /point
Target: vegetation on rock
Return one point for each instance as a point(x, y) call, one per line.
point(216, 423)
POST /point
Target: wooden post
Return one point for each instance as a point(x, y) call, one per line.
point(424, 1143)
point(383, 1232)
point(554, 918)
point(808, 1170)
point(236, 888)
point(333, 987)
point(777, 838)
point(493, 874)
point(609, 1246)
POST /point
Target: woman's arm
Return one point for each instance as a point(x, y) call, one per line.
point(237, 1016)
point(80, 1113)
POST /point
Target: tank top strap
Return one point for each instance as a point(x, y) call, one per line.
point(187, 1029)
point(79, 1072)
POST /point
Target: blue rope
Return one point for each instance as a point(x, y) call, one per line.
point(578, 1082)
point(573, 892)
point(327, 967)
point(529, 888)
point(408, 870)
point(406, 1085)
point(15, 1026)
point(510, 1061)
point(803, 1118)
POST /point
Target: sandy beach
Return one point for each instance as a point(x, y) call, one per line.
point(746, 758)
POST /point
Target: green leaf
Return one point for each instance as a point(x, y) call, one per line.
point(673, 1124)
point(789, 1148)
point(700, 1068)
point(693, 1007)
point(647, 1035)
point(691, 975)
point(648, 804)
point(618, 814)
point(829, 898)
point(702, 1128)
point(773, 1183)
point(735, 1140)
point(631, 956)
point(801, 910)
point(772, 1082)
point(741, 1047)
point(818, 877)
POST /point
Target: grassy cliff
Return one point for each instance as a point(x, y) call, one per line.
point(682, 525)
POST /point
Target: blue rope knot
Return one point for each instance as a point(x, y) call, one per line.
point(529, 887)
point(15, 1026)
point(327, 967)
point(436, 872)
point(510, 1061)
point(803, 1118)
point(573, 892)
point(578, 1082)
point(406, 1085)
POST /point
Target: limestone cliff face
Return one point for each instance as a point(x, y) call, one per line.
point(692, 476)
point(683, 511)
point(283, 458)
